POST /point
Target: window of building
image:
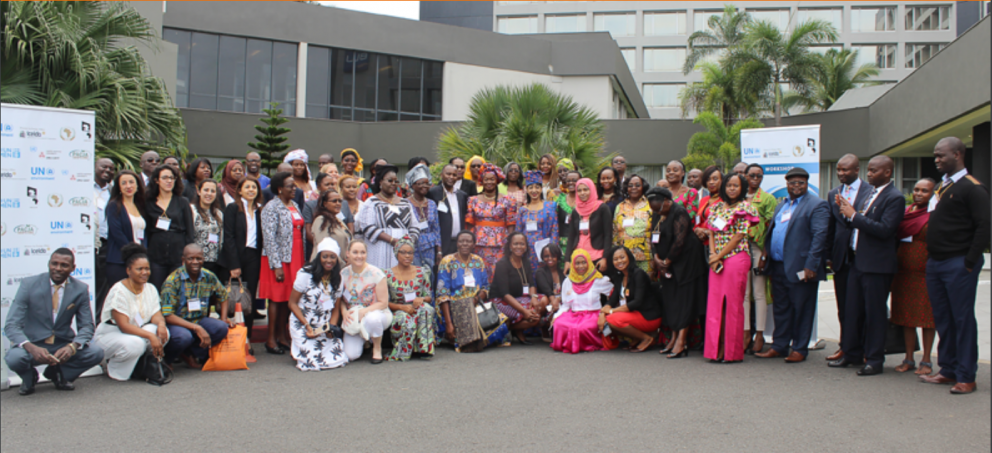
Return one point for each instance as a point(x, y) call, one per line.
point(231, 74)
point(917, 54)
point(203, 71)
point(182, 40)
point(517, 25)
point(662, 95)
point(712, 57)
point(701, 18)
point(865, 20)
point(570, 23)
point(667, 59)
point(910, 173)
point(920, 18)
point(778, 17)
point(883, 55)
point(665, 23)
point(832, 16)
point(432, 90)
point(619, 24)
point(630, 55)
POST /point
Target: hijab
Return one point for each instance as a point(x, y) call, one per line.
point(581, 283)
point(299, 154)
point(468, 167)
point(229, 184)
point(586, 208)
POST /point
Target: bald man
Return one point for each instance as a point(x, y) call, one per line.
point(186, 298)
point(149, 160)
point(874, 262)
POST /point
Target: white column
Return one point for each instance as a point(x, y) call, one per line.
point(301, 80)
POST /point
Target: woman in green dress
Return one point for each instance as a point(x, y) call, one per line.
point(413, 324)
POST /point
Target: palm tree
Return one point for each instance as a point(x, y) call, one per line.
point(77, 55)
point(719, 92)
point(768, 58)
point(725, 30)
point(838, 72)
point(719, 145)
point(522, 124)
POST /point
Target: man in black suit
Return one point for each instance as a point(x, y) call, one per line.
point(268, 194)
point(873, 247)
point(839, 234)
point(465, 185)
point(451, 207)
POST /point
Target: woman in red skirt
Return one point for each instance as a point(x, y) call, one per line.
point(282, 256)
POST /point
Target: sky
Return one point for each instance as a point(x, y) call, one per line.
point(406, 10)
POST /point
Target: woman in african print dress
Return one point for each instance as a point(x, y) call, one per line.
point(410, 300)
point(385, 218)
point(492, 218)
point(314, 310)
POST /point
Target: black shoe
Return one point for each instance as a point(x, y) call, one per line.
point(54, 374)
point(284, 347)
point(27, 387)
point(275, 351)
point(376, 361)
point(869, 370)
point(523, 340)
point(842, 362)
point(683, 353)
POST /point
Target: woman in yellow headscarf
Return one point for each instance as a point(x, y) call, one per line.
point(576, 324)
point(473, 169)
point(351, 163)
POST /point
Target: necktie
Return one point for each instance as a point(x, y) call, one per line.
point(55, 299)
point(871, 196)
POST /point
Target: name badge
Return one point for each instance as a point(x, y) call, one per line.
point(526, 289)
point(655, 237)
point(568, 219)
point(532, 226)
point(422, 226)
point(584, 225)
point(297, 216)
point(627, 223)
point(326, 302)
point(409, 297)
point(719, 223)
point(394, 209)
point(163, 223)
point(786, 217)
point(906, 239)
point(469, 279)
point(801, 275)
point(340, 216)
point(138, 320)
point(213, 238)
point(442, 207)
point(140, 234)
point(195, 305)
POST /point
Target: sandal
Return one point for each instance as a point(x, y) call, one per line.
point(907, 365)
point(925, 365)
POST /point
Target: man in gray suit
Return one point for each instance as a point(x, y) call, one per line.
point(39, 326)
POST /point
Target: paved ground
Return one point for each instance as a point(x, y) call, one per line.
point(521, 398)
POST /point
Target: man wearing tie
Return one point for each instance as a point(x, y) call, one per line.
point(452, 204)
point(39, 326)
point(839, 234)
point(875, 261)
point(795, 245)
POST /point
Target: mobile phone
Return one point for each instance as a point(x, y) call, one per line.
point(719, 268)
point(758, 271)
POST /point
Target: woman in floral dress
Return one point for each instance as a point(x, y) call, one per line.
point(492, 217)
point(314, 310)
point(538, 219)
point(632, 222)
point(410, 300)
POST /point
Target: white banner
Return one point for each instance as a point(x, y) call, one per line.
point(778, 150)
point(46, 196)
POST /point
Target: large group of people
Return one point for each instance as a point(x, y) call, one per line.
point(348, 266)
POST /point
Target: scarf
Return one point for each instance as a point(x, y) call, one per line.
point(400, 242)
point(359, 167)
point(582, 283)
point(913, 222)
point(586, 208)
point(299, 154)
point(417, 173)
point(533, 177)
point(229, 184)
point(468, 168)
point(490, 168)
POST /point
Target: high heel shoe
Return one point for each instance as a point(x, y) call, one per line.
point(683, 353)
point(275, 351)
point(668, 348)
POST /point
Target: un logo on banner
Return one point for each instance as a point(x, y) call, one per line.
point(798, 151)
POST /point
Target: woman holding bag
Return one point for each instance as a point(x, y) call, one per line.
point(312, 303)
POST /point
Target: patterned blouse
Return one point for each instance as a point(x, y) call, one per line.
point(632, 227)
point(490, 219)
point(419, 285)
point(430, 227)
point(689, 200)
point(538, 225)
point(358, 289)
point(451, 278)
point(727, 221)
point(209, 234)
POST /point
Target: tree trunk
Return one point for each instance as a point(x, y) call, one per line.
point(778, 102)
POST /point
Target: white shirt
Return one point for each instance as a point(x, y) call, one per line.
point(102, 196)
point(145, 178)
point(137, 224)
point(868, 203)
point(584, 302)
point(850, 191)
point(251, 236)
point(456, 216)
point(946, 180)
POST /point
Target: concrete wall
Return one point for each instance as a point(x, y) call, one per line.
point(477, 15)
point(161, 57)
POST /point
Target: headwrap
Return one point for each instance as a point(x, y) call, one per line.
point(405, 240)
point(417, 173)
point(490, 168)
point(533, 177)
point(328, 245)
point(585, 208)
point(468, 167)
point(658, 194)
point(567, 163)
point(359, 166)
point(380, 172)
point(228, 183)
point(912, 223)
point(299, 154)
point(582, 282)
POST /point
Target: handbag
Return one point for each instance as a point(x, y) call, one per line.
point(236, 292)
point(488, 316)
point(151, 370)
point(895, 343)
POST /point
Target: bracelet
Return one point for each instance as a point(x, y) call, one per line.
point(73, 346)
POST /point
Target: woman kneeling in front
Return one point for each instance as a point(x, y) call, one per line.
point(576, 327)
point(365, 299)
point(635, 309)
point(315, 346)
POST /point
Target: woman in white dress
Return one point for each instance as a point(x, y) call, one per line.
point(364, 299)
point(131, 321)
point(315, 347)
point(385, 218)
point(576, 327)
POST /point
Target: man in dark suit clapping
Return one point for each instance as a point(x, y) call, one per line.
point(873, 246)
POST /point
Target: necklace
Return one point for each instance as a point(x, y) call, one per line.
point(325, 284)
point(128, 285)
point(488, 197)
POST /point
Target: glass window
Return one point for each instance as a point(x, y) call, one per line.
point(658, 95)
point(432, 88)
point(410, 84)
point(833, 16)
point(883, 55)
point(917, 54)
point(517, 25)
point(571, 23)
point(318, 81)
point(664, 59)
point(712, 57)
point(630, 55)
point(365, 116)
point(365, 69)
point(618, 25)
point(777, 17)
point(669, 23)
point(259, 75)
point(928, 18)
point(203, 72)
point(342, 78)
point(284, 76)
point(231, 78)
point(182, 40)
point(865, 20)
point(389, 83)
point(700, 19)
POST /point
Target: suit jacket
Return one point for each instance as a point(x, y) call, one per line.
point(469, 187)
point(805, 237)
point(268, 195)
point(839, 235)
point(277, 230)
point(236, 235)
point(30, 315)
point(436, 193)
point(119, 232)
point(877, 241)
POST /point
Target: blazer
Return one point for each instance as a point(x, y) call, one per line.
point(877, 241)
point(119, 232)
point(30, 315)
point(469, 187)
point(268, 195)
point(643, 295)
point(600, 230)
point(277, 229)
point(448, 245)
point(805, 237)
point(236, 235)
point(839, 234)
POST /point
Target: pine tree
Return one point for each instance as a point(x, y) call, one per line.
point(270, 143)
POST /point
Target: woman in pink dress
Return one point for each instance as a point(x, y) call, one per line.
point(492, 218)
point(576, 324)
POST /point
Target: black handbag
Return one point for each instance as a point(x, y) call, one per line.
point(488, 316)
point(237, 292)
point(151, 370)
point(895, 343)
